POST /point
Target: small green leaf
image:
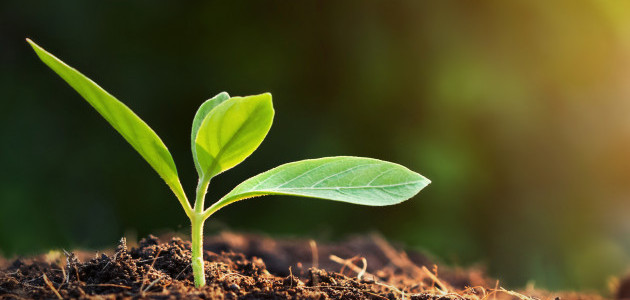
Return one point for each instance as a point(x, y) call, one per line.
point(201, 114)
point(357, 180)
point(232, 131)
point(124, 120)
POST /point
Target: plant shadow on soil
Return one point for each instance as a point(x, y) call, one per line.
point(252, 267)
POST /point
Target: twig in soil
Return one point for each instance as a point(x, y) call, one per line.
point(52, 287)
point(65, 276)
point(144, 277)
point(515, 294)
point(71, 262)
point(315, 253)
point(364, 261)
point(362, 271)
point(291, 276)
point(493, 292)
point(122, 246)
point(35, 287)
point(377, 295)
point(81, 290)
point(348, 263)
point(152, 283)
point(110, 285)
point(145, 260)
point(473, 290)
point(391, 287)
point(28, 281)
point(454, 294)
point(351, 259)
point(109, 262)
point(403, 262)
point(443, 287)
point(388, 250)
point(181, 272)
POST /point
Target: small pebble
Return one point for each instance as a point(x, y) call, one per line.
point(234, 287)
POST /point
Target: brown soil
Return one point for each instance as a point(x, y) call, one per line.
point(251, 267)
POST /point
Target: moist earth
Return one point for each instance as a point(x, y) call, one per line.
point(247, 266)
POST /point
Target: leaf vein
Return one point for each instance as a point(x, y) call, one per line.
point(391, 193)
point(379, 175)
point(339, 173)
point(307, 172)
point(215, 161)
point(346, 187)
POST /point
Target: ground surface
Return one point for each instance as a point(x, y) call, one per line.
point(251, 267)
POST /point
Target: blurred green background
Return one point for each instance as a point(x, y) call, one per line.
point(519, 111)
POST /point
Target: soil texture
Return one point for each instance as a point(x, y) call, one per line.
point(251, 267)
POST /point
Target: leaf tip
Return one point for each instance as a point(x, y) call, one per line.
point(267, 97)
point(424, 181)
point(31, 43)
point(38, 50)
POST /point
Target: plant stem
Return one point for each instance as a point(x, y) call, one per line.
point(202, 189)
point(197, 222)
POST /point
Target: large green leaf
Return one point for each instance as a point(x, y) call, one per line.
point(124, 120)
point(232, 131)
point(357, 180)
point(201, 114)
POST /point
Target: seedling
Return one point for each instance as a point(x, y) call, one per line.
point(225, 131)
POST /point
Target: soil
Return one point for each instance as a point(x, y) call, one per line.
point(252, 267)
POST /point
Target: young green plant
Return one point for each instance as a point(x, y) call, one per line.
point(225, 131)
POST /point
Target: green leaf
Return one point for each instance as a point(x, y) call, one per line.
point(232, 131)
point(202, 112)
point(124, 120)
point(357, 180)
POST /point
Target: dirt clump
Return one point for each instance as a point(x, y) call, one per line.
point(251, 267)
